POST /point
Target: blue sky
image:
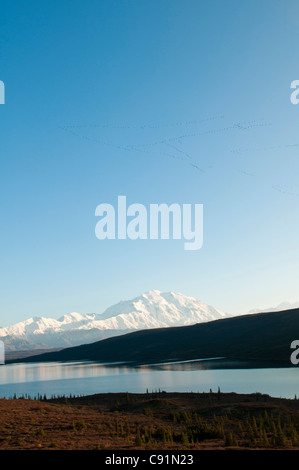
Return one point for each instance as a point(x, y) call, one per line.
point(112, 97)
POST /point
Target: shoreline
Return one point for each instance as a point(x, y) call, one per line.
point(202, 363)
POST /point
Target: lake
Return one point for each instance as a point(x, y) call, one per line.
point(86, 378)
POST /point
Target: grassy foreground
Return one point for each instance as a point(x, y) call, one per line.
point(151, 421)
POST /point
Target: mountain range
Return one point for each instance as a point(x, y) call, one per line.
point(153, 309)
point(281, 306)
point(253, 340)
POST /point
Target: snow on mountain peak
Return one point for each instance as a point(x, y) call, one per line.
point(152, 309)
point(74, 317)
point(282, 306)
point(155, 309)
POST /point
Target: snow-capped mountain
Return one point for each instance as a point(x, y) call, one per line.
point(153, 309)
point(280, 307)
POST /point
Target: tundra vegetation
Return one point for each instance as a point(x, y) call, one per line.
point(153, 420)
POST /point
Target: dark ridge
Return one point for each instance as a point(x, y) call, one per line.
point(262, 337)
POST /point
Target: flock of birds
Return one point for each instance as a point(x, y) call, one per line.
point(171, 147)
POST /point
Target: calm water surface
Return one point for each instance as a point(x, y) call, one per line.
point(84, 378)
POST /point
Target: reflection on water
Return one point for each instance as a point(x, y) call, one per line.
point(42, 371)
point(84, 378)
